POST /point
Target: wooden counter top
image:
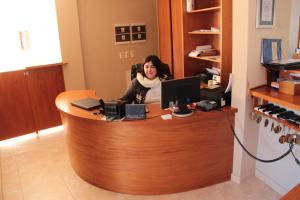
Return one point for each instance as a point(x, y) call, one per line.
point(151, 156)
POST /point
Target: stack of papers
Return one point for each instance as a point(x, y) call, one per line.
point(290, 61)
point(213, 71)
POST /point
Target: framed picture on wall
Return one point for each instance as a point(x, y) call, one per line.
point(298, 47)
point(265, 14)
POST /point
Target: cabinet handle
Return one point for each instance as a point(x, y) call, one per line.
point(24, 40)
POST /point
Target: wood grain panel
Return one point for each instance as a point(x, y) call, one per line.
point(16, 117)
point(165, 33)
point(201, 4)
point(294, 194)
point(151, 156)
point(226, 41)
point(269, 94)
point(177, 38)
point(44, 84)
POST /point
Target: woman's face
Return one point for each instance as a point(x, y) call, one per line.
point(150, 70)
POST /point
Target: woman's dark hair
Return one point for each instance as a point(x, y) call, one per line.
point(156, 62)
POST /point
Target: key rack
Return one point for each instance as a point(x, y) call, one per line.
point(267, 94)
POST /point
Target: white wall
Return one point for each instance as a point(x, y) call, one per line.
point(247, 74)
point(242, 166)
point(281, 175)
point(294, 27)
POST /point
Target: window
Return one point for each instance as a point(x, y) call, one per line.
point(29, 34)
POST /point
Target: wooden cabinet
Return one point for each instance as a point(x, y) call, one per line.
point(44, 84)
point(186, 36)
point(28, 100)
point(16, 116)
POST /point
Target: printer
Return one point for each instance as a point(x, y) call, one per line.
point(114, 109)
point(216, 94)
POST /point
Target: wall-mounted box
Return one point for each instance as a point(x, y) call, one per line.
point(141, 28)
point(138, 32)
point(289, 87)
point(122, 38)
point(122, 33)
point(122, 29)
point(138, 37)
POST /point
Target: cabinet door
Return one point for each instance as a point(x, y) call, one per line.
point(165, 32)
point(177, 24)
point(44, 84)
point(16, 117)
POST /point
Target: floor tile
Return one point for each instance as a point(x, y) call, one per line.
point(153, 197)
point(39, 169)
point(82, 190)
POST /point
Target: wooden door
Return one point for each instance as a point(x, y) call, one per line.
point(44, 84)
point(165, 32)
point(171, 33)
point(16, 117)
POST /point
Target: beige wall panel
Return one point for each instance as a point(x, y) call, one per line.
point(105, 72)
point(69, 33)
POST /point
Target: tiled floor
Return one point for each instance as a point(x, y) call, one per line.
point(39, 169)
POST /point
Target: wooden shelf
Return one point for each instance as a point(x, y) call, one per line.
point(273, 95)
point(215, 59)
point(204, 33)
point(185, 35)
point(211, 9)
point(268, 94)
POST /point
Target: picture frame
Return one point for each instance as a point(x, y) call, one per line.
point(265, 14)
point(298, 46)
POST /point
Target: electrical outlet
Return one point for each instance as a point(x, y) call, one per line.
point(121, 55)
point(126, 54)
point(131, 52)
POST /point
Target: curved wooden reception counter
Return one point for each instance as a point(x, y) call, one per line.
point(151, 156)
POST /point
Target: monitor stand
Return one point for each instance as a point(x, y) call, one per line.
point(182, 111)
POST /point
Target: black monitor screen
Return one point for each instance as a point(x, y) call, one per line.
point(181, 91)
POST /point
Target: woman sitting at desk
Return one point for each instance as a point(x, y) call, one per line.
point(145, 88)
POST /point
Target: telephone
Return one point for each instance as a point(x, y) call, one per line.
point(207, 105)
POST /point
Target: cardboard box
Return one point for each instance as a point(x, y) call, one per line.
point(289, 87)
point(296, 56)
point(286, 73)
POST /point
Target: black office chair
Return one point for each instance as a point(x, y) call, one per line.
point(139, 67)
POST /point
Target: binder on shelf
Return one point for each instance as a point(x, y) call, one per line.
point(271, 56)
point(270, 50)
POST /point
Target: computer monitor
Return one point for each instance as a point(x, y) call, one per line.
point(180, 92)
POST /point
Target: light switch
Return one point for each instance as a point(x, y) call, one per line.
point(126, 54)
point(131, 52)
